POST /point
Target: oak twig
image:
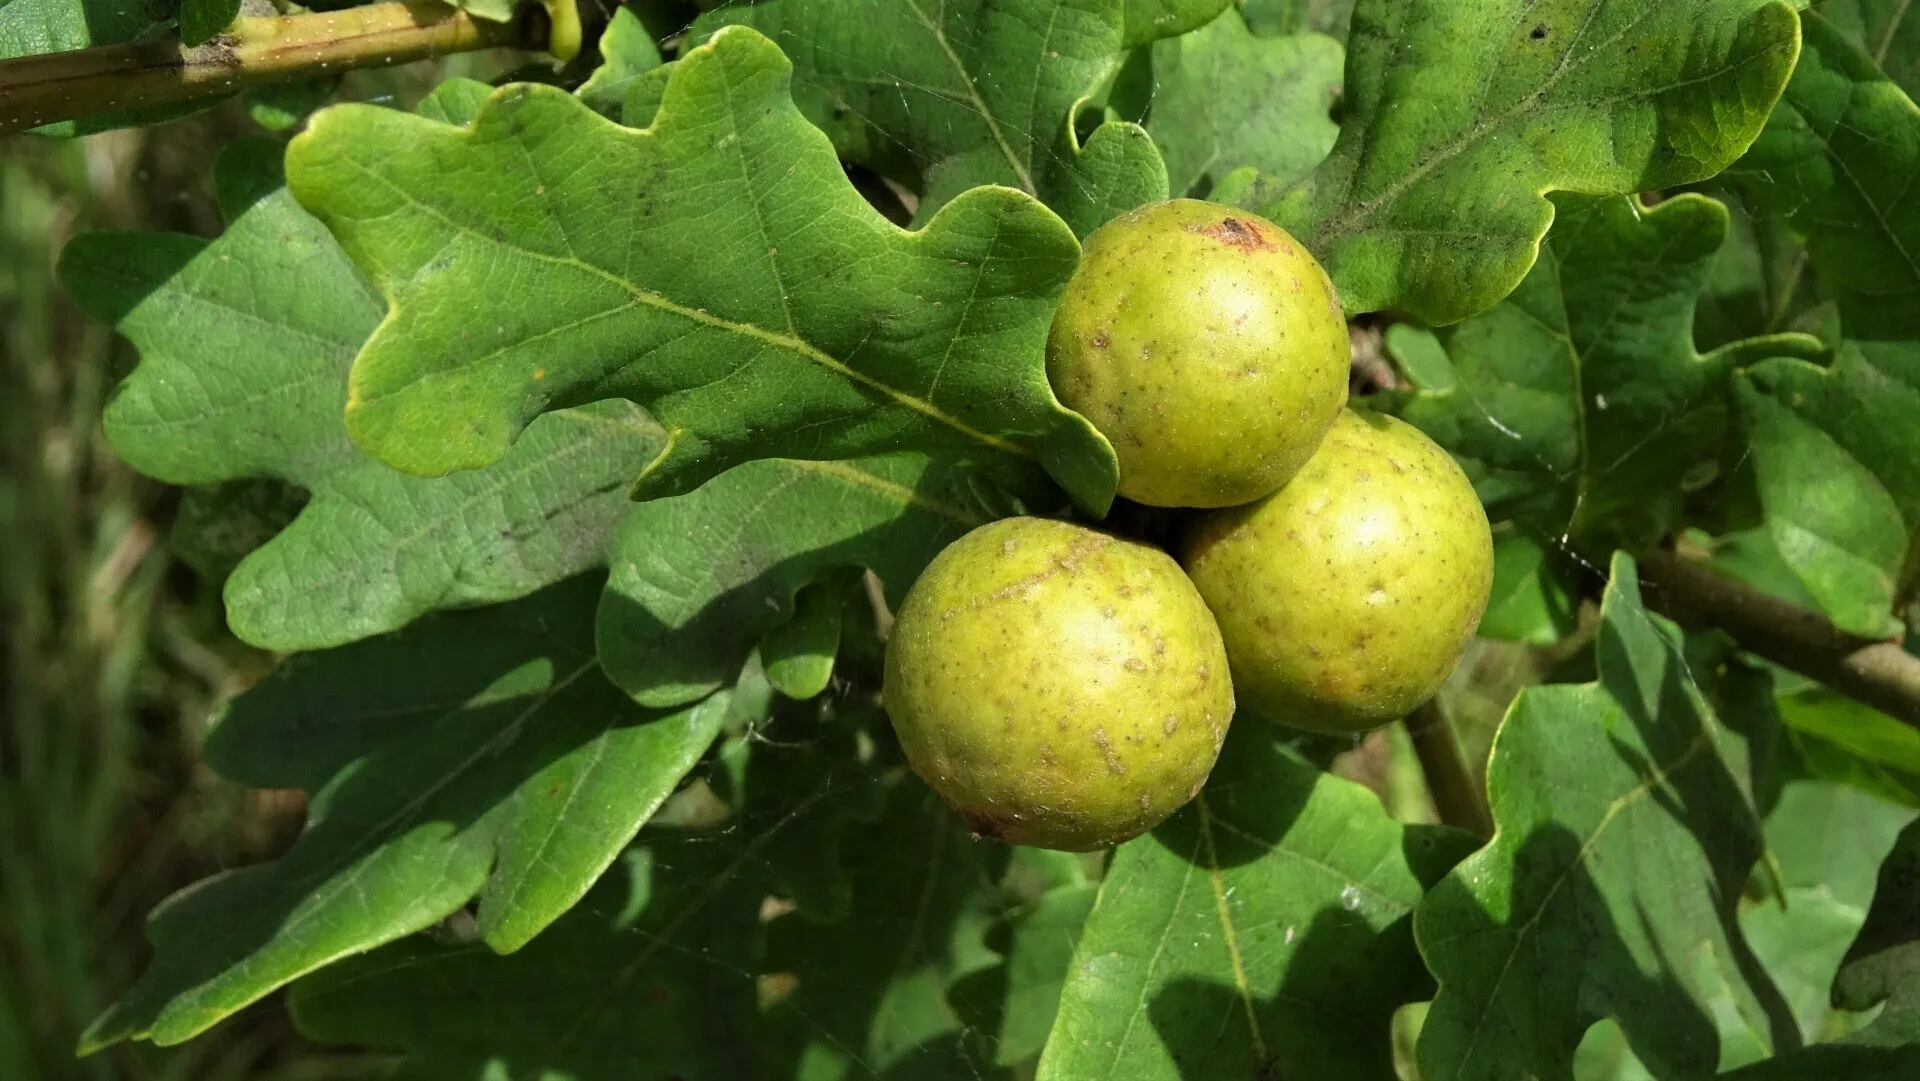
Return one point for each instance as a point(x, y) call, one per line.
point(1880, 674)
point(1456, 795)
point(36, 90)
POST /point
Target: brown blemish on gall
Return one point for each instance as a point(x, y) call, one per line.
point(1100, 740)
point(1247, 236)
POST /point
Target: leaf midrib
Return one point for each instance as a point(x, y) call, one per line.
point(1359, 215)
point(788, 343)
point(694, 905)
point(906, 496)
point(1262, 1057)
point(1619, 804)
point(1893, 30)
point(1840, 164)
point(319, 901)
point(936, 841)
point(979, 103)
point(1139, 1007)
point(1338, 225)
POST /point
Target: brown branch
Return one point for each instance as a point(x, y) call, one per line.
point(36, 90)
point(1456, 795)
point(1880, 674)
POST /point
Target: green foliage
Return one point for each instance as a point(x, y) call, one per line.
point(1838, 470)
point(1224, 98)
point(1433, 200)
point(1802, 933)
point(280, 106)
point(788, 319)
point(1554, 925)
point(676, 622)
point(200, 20)
point(1886, 30)
point(1759, 282)
point(32, 27)
point(1835, 164)
point(1841, 740)
point(1280, 903)
point(1834, 161)
point(473, 755)
point(245, 344)
point(1275, 18)
point(956, 94)
point(587, 435)
point(673, 930)
point(1805, 906)
point(1019, 1001)
point(1881, 969)
point(1579, 401)
point(627, 52)
point(1528, 603)
point(871, 989)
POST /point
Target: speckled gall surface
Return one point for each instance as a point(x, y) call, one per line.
point(1346, 597)
point(1207, 345)
point(1059, 686)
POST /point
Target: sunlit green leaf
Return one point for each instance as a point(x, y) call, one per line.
point(245, 346)
point(717, 268)
point(1837, 458)
point(628, 52)
point(953, 94)
point(1460, 116)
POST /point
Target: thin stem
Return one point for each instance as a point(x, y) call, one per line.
point(1456, 796)
point(1777, 311)
point(36, 90)
point(1880, 674)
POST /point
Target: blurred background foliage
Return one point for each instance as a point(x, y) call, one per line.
point(113, 651)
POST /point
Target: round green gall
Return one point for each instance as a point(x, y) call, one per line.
point(1059, 686)
point(1208, 347)
point(1346, 597)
